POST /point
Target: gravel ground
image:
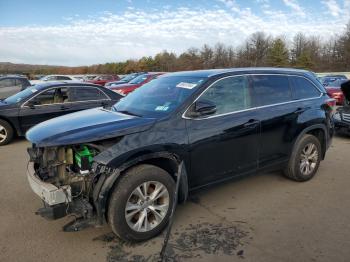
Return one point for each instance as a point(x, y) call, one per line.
point(259, 218)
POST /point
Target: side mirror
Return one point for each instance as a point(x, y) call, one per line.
point(203, 108)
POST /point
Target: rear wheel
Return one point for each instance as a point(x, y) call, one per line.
point(6, 132)
point(140, 205)
point(305, 159)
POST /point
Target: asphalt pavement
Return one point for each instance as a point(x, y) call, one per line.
point(264, 217)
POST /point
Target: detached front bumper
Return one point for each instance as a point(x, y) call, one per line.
point(49, 193)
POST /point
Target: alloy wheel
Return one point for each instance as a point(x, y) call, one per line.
point(147, 206)
point(308, 159)
point(3, 134)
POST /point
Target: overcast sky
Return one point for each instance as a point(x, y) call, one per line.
point(84, 32)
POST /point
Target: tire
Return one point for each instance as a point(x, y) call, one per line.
point(297, 168)
point(6, 133)
point(125, 194)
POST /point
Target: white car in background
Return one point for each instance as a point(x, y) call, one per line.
point(64, 78)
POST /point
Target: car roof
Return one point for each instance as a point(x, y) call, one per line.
point(13, 77)
point(214, 72)
point(45, 85)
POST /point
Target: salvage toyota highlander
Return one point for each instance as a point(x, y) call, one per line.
point(120, 166)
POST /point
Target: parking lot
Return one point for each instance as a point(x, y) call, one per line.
point(260, 218)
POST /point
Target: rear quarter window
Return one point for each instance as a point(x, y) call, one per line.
point(271, 89)
point(303, 88)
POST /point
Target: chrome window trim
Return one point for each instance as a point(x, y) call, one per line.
point(107, 97)
point(252, 108)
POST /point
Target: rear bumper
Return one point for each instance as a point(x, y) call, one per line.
point(49, 193)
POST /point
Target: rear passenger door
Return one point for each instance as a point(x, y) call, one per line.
point(86, 97)
point(278, 116)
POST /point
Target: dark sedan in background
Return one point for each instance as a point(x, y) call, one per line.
point(10, 85)
point(41, 102)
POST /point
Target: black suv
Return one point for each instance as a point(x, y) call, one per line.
point(121, 165)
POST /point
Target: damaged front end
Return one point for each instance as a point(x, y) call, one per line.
point(64, 177)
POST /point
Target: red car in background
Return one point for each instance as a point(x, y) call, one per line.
point(103, 79)
point(334, 91)
point(125, 89)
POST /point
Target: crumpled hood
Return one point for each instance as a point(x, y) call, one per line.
point(345, 87)
point(86, 126)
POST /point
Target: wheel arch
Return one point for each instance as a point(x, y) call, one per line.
point(167, 161)
point(320, 132)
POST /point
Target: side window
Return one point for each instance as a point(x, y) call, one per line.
point(63, 78)
point(229, 95)
point(7, 83)
point(271, 89)
point(52, 96)
point(51, 78)
point(44, 98)
point(19, 84)
point(303, 88)
point(8, 87)
point(85, 93)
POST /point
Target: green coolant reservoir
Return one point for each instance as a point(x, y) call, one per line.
point(83, 158)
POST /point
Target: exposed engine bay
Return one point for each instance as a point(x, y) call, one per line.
point(69, 169)
point(70, 165)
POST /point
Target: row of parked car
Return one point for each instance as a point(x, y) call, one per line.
point(26, 103)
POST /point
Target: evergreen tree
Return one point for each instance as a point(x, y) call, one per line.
point(277, 54)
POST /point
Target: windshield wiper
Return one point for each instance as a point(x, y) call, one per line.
point(128, 113)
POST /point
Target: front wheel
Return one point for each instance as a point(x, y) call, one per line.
point(6, 132)
point(141, 203)
point(305, 159)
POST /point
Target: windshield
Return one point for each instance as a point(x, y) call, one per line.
point(21, 95)
point(128, 77)
point(138, 80)
point(159, 97)
point(337, 83)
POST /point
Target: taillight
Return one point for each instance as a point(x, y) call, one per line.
point(332, 104)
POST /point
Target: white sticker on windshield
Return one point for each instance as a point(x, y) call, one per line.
point(162, 108)
point(186, 85)
point(33, 90)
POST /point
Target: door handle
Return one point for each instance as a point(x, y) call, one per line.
point(252, 123)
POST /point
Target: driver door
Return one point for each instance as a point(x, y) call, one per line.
point(225, 143)
point(46, 105)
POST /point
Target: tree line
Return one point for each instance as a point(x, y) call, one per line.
point(259, 49)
